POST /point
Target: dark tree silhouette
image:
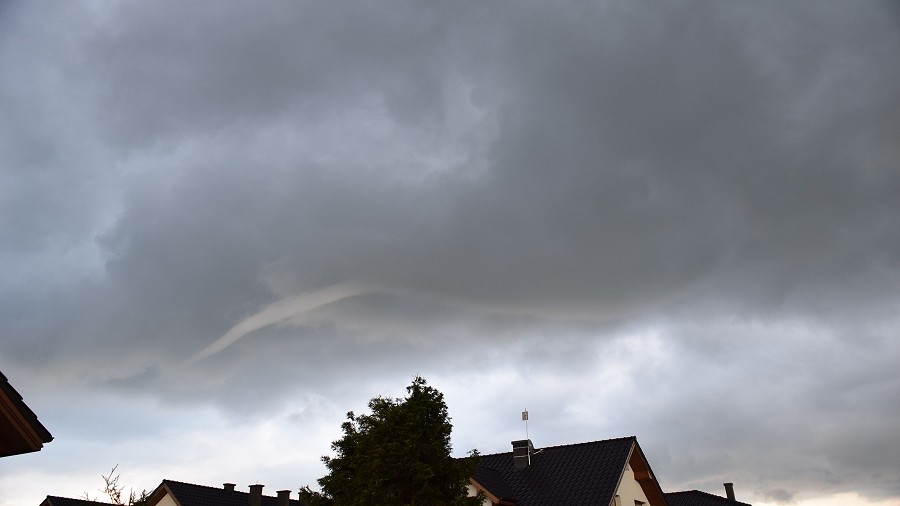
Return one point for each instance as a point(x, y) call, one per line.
point(397, 455)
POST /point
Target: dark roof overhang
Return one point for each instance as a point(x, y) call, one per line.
point(20, 430)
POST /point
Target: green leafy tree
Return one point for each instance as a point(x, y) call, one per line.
point(397, 455)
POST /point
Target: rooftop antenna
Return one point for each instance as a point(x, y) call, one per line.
point(525, 419)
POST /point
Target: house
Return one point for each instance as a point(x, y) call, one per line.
point(53, 500)
point(610, 472)
point(176, 493)
point(613, 472)
point(20, 430)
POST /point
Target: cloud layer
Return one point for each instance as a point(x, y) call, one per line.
point(676, 221)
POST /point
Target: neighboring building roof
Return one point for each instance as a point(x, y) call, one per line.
point(52, 500)
point(20, 430)
point(584, 473)
point(698, 498)
point(188, 494)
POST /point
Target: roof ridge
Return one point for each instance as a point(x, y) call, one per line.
point(570, 445)
point(166, 480)
point(193, 484)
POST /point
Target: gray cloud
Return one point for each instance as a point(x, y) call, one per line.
point(525, 181)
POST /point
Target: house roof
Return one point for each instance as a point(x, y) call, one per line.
point(188, 494)
point(53, 500)
point(698, 498)
point(20, 430)
point(584, 473)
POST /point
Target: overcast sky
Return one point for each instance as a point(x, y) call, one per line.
point(223, 225)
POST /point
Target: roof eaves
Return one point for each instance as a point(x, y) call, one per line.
point(161, 491)
point(21, 419)
point(645, 477)
point(502, 501)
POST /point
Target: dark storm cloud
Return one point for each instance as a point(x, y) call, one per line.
point(615, 176)
point(182, 73)
point(487, 174)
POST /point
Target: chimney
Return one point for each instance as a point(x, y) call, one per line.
point(522, 452)
point(284, 498)
point(256, 495)
point(229, 487)
point(729, 491)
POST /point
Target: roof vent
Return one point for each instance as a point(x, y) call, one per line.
point(522, 452)
point(729, 491)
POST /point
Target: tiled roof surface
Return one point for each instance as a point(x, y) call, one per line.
point(494, 482)
point(582, 474)
point(698, 498)
point(189, 494)
point(53, 500)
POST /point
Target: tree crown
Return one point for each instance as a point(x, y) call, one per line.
point(399, 454)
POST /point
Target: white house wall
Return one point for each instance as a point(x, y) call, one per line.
point(630, 490)
point(167, 501)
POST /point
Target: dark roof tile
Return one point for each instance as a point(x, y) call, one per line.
point(53, 500)
point(493, 481)
point(698, 498)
